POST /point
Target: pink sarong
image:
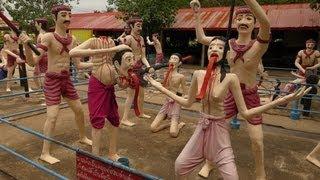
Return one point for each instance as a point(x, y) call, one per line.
point(57, 85)
point(171, 108)
point(210, 141)
point(252, 100)
point(102, 104)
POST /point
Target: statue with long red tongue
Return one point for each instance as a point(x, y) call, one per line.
point(211, 139)
point(174, 81)
point(244, 57)
point(136, 94)
point(57, 78)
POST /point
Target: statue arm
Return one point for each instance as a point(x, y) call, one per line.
point(248, 114)
point(257, 10)
point(191, 97)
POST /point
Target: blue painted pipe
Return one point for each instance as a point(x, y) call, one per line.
point(16, 79)
point(34, 164)
point(116, 164)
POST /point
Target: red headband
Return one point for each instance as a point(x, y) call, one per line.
point(311, 41)
point(134, 20)
point(41, 20)
point(57, 8)
point(243, 10)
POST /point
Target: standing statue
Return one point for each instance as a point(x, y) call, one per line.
point(57, 79)
point(211, 139)
point(243, 58)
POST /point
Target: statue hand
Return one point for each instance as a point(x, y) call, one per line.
point(296, 95)
point(123, 47)
point(153, 82)
point(195, 5)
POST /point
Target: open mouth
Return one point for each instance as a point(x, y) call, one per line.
point(243, 26)
point(66, 22)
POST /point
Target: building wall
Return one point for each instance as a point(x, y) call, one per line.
point(81, 34)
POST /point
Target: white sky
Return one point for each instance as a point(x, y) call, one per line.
point(89, 5)
point(85, 6)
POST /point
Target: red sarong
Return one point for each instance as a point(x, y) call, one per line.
point(11, 59)
point(102, 104)
point(252, 100)
point(159, 57)
point(57, 85)
point(42, 66)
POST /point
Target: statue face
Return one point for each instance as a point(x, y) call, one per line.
point(216, 47)
point(127, 30)
point(137, 27)
point(174, 60)
point(63, 19)
point(310, 45)
point(244, 22)
point(37, 25)
point(127, 61)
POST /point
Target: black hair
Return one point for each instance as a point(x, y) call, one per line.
point(223, 60)
point(118, 56)
point(179, 56)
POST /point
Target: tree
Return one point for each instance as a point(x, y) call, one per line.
point(155, 14)
point(25, 11)
point(315, 5)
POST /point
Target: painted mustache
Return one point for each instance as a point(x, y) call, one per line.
point(244, 25)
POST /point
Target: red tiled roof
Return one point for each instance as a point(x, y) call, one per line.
point(97, 21)
point(284, 16)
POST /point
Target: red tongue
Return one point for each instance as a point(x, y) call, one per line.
point(166, 79)
point(210, 68)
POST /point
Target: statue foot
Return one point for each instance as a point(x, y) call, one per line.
point(181, 125)
point(8, 90)
point(86, 141)
point(313, 160)
point(205, 171)
point(144, 116)
point(127, 123)
point(114, 157)
point(49, 159)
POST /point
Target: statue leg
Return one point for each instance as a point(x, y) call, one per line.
point(96, 141)
point(175, 126)
point(113, 141)
point(9, 77)
point(141, 104)
point(125, 118)
point(156, 126)
point(49, 126)
point(256, 137)
point(312, 157)
point(76, 107)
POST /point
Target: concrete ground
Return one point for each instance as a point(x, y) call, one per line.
point(155, 153)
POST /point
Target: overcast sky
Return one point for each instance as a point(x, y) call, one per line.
point(89, 5)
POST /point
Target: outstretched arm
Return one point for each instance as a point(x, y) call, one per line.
point(248, 114)
point(86, 48)
point(191, 98)
point(317, 61)
point(143, 55)
point(149, 42)
point(201, 37)
point(257, 10)
point(31, 58)
point(297, 62)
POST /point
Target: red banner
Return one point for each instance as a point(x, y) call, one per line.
point(92, 169)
